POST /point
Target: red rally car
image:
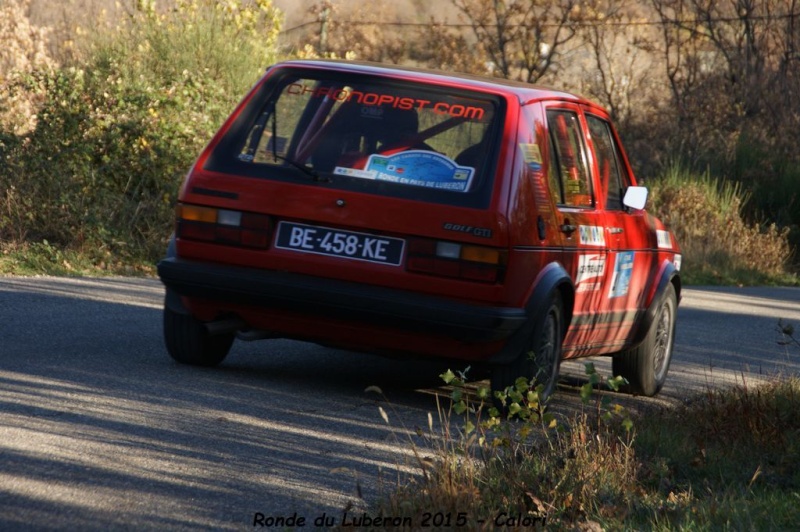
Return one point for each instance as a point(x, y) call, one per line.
point(404, 211)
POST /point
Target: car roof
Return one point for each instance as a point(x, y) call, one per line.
point(526, 92)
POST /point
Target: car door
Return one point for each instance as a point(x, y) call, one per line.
point(582, 222)
point(630, 258)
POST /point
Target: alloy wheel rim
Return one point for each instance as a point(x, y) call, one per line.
point(663, 341)
point(545, 358)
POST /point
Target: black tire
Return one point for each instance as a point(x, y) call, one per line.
point(646, 366)
point(539, 361)
point(189, 342)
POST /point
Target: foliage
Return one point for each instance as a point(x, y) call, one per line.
point(358, 33)
point(725, 459)
point(230, 42)
point(732, 70)
point(134, 102)
point(732, 454)
point(23, 51)
point(522, 38)
point(37, 258)
point(513, 457)
point(743, 54)
point(718, 245)
point(443, 49)
point(117, 131)
point(773, 180)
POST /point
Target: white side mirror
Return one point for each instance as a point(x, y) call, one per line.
point(635, 197)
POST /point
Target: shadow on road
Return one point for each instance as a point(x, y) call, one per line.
point(99, 428)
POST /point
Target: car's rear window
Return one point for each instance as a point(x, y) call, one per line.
point(369, 134)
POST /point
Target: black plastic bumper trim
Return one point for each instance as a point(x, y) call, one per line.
point(339, 299)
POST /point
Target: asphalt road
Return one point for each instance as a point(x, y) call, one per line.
point(99, 429)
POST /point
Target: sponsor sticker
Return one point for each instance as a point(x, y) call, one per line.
point(677, 261)
point(592, 235)
point(664, 240)
point(355, 172)
point(345, 94)
point(591, 269)
point(621, 278)
point(421, 168)
point(532, 156)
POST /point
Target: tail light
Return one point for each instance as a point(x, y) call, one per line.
point(461, 261)
point(223, 226)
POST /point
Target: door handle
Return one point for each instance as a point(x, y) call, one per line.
point(615, 230)
point(568, 228)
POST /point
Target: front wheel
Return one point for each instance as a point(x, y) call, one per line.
point(540, 359)
point(189, 342)
point(645, 367)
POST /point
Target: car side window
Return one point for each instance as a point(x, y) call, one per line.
point(567, 160)
point(607, 156)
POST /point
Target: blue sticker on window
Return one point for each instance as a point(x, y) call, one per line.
point(621, 279)
point(421, 168)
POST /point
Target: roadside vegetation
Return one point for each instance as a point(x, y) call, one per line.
point(91, 172)
point(98, 124)
point(718, 244)
point(723, 460)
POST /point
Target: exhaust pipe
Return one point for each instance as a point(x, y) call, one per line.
point(227, 325)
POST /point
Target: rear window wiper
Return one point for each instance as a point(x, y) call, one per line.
point(305, 169)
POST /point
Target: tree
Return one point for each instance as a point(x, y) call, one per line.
point(522, 38)
point(620, 43)
point(357, 33)
point(444, 49)
point(734, 71)
point(742, 49)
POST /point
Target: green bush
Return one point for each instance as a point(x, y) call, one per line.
point(116, 132)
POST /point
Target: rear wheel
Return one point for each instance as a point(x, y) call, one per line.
point(540, 359)
point(645, 367)
point(189, 342)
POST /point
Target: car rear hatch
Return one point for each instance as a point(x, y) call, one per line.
point(384, 180)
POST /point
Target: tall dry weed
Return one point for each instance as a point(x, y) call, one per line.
point(23, 49)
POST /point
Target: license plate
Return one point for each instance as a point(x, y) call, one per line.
point(339, 243)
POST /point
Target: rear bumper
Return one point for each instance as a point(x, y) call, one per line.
point(340, 300)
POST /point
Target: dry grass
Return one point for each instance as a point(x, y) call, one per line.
point(724, 460)
point(23, 51)
point(718, 244)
